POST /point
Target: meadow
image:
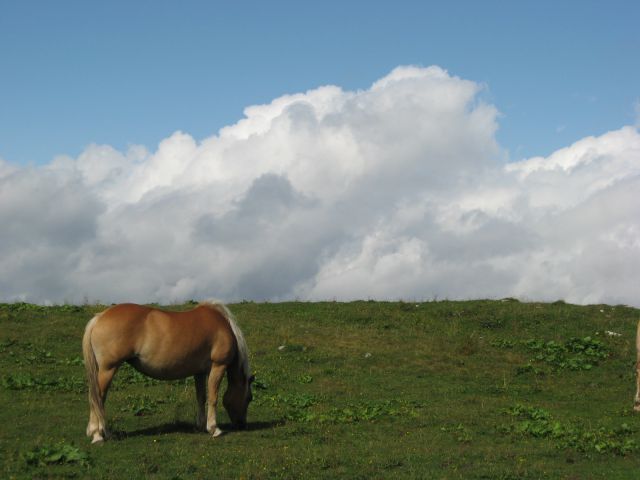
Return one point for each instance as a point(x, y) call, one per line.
point(454, 390)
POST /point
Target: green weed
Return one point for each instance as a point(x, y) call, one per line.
point(25, 353)
point(502, 343)
point(57, 454)
point(539, 423)
point(26, 381)
point(574, 354)
point(141, 405)
point(460, 432)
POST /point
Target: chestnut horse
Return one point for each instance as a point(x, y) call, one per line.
point(204, 343)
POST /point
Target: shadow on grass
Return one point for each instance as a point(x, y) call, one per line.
point(186, 427)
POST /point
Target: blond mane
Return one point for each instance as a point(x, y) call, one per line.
point(243, 350)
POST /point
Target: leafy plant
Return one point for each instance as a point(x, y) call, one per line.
point(26, 353)
point(19, 307)
point(459, 431)
point(26, 381)
point(141, 405)
point(61, 453)
point(502, 343)
point(573, 354)
point(537, 422)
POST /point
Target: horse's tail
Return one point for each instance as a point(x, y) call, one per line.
point(91, 367)
point(243, 350)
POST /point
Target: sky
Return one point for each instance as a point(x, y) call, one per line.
point(156, 151)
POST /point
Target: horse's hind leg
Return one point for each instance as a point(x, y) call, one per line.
point(215, 377)
point(201, 399)
point(105, 376)
point(94, 424)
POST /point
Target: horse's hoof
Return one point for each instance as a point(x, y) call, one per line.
point(636, 407)
point(217, 433)
point(97, 439)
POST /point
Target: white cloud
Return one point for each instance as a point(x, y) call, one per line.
point(396, 191)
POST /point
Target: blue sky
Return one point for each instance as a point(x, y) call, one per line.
point(75, 73)
point(155, 151)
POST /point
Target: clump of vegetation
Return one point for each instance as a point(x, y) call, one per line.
point(370, 411)
point(26, 381)
point(141, 405)
point(503, 343)
point(23, 307)
point(538, 422)
point(26, 353)
point(298, 407)
point(57, 454)
point(18, 307)
point(574, 354)
point(461, 433)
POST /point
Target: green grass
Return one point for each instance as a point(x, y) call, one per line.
point(452, 390)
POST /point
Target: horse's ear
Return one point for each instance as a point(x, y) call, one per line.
point(251, 379)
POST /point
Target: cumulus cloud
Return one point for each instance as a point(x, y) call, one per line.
point(396, 191)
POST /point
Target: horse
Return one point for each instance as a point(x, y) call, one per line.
point(204, 342)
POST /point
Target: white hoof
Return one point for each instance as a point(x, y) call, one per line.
point(217, 433)
point(97, 438)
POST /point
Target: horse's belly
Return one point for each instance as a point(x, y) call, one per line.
point(170, 368)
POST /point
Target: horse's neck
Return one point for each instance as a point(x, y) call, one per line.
point(234, 371)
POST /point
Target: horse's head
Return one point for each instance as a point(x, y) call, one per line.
point(237, 398)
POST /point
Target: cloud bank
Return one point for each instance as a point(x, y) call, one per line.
point(399, 191)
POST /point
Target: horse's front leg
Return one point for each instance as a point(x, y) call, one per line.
point(201, 399)
point(215, 377)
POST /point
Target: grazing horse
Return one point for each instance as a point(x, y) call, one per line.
point(204, 343)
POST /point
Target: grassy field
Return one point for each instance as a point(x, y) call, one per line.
point(452, 390)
